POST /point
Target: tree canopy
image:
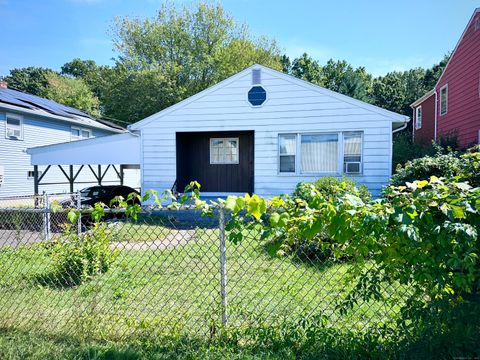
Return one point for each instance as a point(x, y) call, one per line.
point(184, 49)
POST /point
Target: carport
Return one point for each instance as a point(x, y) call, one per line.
point(96, 155)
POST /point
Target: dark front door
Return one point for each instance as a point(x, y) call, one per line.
point(219, 161)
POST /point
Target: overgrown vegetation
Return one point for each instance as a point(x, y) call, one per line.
point(433, 222)
point(445, 163)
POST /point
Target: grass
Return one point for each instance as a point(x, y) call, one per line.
point(150, 295)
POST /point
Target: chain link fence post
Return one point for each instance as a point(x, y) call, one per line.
point(79, 209)
point(223, 264)
point(46, 217)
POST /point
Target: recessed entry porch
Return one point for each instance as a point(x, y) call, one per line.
point(222, 161)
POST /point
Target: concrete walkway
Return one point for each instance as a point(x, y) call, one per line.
point(172, 240)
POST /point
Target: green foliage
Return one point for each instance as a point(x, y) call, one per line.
point(177, 53)
point(71, 92)
point(77, 258)
point(330, 187)
point(433, 222)
point(448, 165)
point(33, 80)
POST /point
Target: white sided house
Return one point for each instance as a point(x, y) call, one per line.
point(261, 131)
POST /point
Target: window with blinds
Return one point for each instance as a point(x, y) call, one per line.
point(321, 153)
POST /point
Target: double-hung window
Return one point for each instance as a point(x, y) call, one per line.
point(287, 152)
point(444, 99)
point(352, 152)
point(418, 117)
point(14, 127)
point(316, 154)
point(80, 134)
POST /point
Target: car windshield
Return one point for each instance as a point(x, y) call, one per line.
point(93, 192)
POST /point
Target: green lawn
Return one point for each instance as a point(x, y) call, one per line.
point(153, 294)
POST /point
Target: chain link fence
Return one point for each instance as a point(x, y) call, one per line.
point(169, 272)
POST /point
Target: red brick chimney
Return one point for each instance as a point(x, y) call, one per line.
point(3, 84)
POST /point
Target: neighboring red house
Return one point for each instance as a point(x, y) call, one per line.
point(453, 106)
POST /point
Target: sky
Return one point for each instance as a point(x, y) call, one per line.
point(382, 35)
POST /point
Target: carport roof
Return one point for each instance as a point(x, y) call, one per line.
point(114, 149)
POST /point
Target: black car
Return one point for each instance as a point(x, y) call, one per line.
point(101, 193)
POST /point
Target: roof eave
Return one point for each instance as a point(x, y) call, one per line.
point(41, 113)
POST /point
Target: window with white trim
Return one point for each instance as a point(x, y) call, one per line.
point(418, 117)
point(224, 151)
point(352, 152)
point(444, 99)
point(31, 174)
point(14, 127)
point(287, 149)
point(320, 153)
point(80, 133)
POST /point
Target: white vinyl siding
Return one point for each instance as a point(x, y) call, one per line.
point(292, 108)
point(40, 131)
point(444, 99)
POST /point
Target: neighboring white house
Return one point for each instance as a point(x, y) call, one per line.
point(27, 121)
point(263, 131)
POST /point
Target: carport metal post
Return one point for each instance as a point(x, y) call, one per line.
point(223, 264)
point(35, 179)
point(71, 179)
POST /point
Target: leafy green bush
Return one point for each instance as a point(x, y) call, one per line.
point(79, 257)
point(450, 165)
point(330, 187)
point(424, 236)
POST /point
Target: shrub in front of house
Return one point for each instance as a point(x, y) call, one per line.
point(77, 258)
point(331, 187)
point(451, 165)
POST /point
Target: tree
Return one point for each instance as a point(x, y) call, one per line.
point(71, 92)
point(306, 68)
point(180, 52)
point(32, 80)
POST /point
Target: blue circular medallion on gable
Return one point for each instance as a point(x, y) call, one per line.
point(257, 95)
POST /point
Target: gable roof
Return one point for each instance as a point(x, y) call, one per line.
point(11, 99)
point(395, 117)
point(475, 12)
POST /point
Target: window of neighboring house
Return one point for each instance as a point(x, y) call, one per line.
point(80, 134)
point(352, 152)
point(224, 151)
point(31, 174)
point(418, 117)
point(320, 153)
point(287, 149)
point(14, 127)
point(444, 99)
